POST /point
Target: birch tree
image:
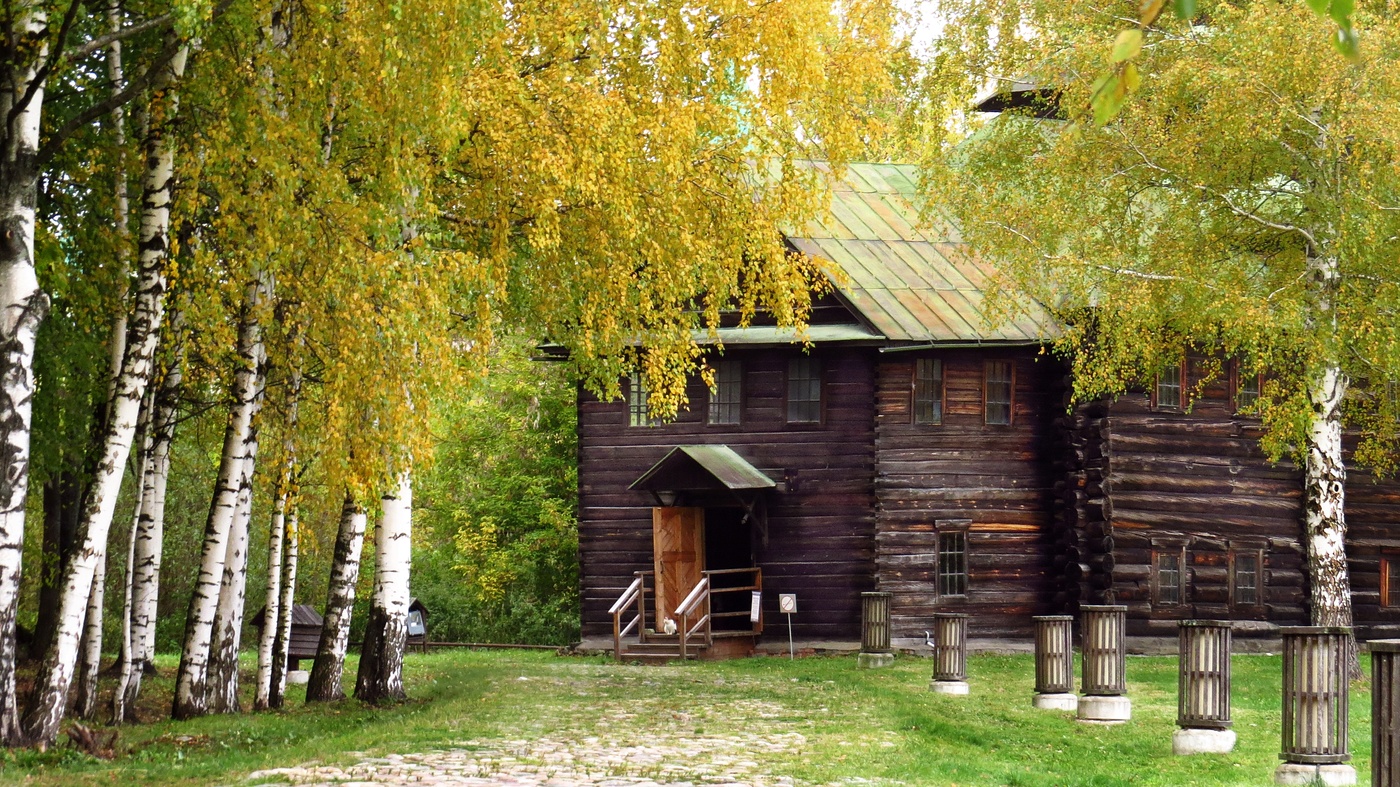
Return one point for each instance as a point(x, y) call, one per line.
point(380, 675)
point(148, 539)
point(277, 687)
point(192, 685)
point(280, 553)
point(326, 673)
point(51, 691)
point(228, 617)
point(1244, 203)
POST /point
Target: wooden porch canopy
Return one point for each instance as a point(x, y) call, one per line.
point(704, 470)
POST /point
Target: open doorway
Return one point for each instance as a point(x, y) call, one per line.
point(728, 544)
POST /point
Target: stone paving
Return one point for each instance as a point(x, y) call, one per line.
point(631, 747)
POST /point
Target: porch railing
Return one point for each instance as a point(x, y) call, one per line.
point(634, 596)
point(697, 605)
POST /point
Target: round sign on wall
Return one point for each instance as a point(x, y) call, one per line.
point(787, 603)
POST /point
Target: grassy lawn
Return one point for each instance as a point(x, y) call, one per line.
point(848, 725)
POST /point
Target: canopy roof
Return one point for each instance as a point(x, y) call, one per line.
point(702, 468)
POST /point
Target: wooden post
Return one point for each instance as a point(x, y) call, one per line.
point(1385, 711)
point(1105, 665)
point(875, 648)
point(1315, 707)
point(1203, 689)
point(950, 653)
point(1054, 662)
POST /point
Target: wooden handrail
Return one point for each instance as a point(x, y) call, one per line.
point(626, 598)
point(692, 599)
point(635, 593)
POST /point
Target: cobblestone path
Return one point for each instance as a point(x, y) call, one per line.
point(626, 747)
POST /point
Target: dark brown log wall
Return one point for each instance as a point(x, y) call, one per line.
point(1373, 534)
point(999, 477)
point(1195, 483)
point(821, 531)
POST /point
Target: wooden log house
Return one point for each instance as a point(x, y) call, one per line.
point(915, 450)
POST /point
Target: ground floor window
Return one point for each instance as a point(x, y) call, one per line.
point(952, 559)
point(1389, 598)
point(1246, 577)
point(1168, 572)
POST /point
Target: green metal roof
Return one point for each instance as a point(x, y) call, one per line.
point(910, 282)
point(677, 471)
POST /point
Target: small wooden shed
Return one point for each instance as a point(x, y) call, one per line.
point(306, 632)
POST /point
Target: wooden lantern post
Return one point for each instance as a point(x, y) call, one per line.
point(1104, 682)
point(875, 648)
point(1203, 689)
point(949, 653)
point(1385, 711)
point(1054, 662)
point(1315, 707)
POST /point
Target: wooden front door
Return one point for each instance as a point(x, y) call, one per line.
point(678, 543)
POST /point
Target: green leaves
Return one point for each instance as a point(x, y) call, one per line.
point(1185, 9)
point(1346, 40)
point(1127, 46)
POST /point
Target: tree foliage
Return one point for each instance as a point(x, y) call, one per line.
point(1247, 151)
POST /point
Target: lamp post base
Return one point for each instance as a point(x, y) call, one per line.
point(1299, 774)
point(1056, 701)
point(1194, 740)
point(1105, 709)
point(949, 687)
point(874, 660)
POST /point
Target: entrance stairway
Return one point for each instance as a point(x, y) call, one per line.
point(695, 637)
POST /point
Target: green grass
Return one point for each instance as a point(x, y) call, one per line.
point(881, 725)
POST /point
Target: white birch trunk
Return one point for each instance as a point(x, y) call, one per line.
point(228, 618)
point(1324, 471)
point(380, 677)
point(276, 539)
point(325, 682)
point(125, 657)
point(91, 643)
point(191, 684)
point(22, 307)
point(51, 690)
point(149, 540)
point(278, 688)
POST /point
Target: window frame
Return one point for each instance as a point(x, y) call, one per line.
point(713, 402)
point(1181, 389)
point(940, 385)
point(1255, 552)
point(951, 531)
point(1389, 560)
point(820, 376)
point(1161, 549)
point(1237, 375)
point(1010, 392)
point(638, 409)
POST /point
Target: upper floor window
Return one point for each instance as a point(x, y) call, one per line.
point(1171, 385)
point(637, 414)
point(928, 391)
point(1246, 389)
point(727, 397)
point(952, 559)
point(804, 390)
point(998, 384)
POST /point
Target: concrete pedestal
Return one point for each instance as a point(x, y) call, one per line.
point(874, 660)
point(298, 677)
point(949, 687)
point(1198, 741)
point(1056, 701)
point(1105, 709)
point(1292, 773)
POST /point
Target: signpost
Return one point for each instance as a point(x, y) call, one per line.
point(787, 604)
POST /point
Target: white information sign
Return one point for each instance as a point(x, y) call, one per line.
point(755, 606)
